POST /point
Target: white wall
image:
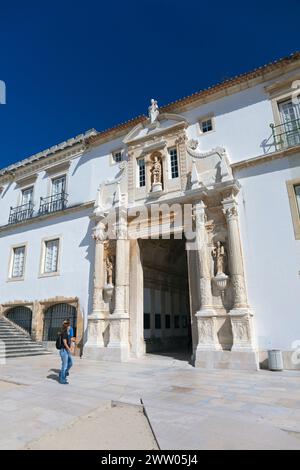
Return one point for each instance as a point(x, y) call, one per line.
point(242, 123)
point(83, 178)
point(271, 253)
point(76, 263)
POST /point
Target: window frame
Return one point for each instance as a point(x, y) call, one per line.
point(138, 180)
point(113, 154)
point(205, 118)
point(23, 190)
point(295, 210)
point(58, 177)
point(42, 272)
point(10, 277)
point(171, 177)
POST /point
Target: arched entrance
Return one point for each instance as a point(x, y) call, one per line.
point(54, 317)
point(167, 321)
point(21, 316)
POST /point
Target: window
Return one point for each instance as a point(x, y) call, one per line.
point(174, 163)
point(58, 187)
point(141, 173)
point(117, 156)
point(27, 196)
point(289, 131)
point(18, 263)
point(168, 321)
point(51, 256)
point(206, 125)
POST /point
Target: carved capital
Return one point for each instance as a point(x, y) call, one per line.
point(199, 213)
point(99, 233)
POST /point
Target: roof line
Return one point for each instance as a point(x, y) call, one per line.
point(93, 136)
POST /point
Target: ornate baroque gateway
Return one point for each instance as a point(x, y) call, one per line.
point(173, 233)
point(205, 215)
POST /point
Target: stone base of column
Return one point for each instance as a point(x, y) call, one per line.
point(107, 338)
point(235, 360)
point(242, 330)
point(207, 331)
point(97, 332)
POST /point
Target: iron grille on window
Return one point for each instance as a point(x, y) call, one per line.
point(20, 213)
point(57, 202)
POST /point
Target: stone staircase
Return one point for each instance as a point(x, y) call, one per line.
point(17, 342)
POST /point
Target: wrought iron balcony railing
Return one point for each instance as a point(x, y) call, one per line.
point(286, 135)
point(20, 213)
point(57, 202)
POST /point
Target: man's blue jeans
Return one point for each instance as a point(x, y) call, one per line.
point(66, 364)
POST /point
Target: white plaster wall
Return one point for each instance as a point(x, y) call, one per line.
point(76, 262)
point(242, 124)
point(83, 178)
point(271, 253)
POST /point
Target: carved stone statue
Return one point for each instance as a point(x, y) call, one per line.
point(153, 111)
point(219, 254)
point(109, 270)
point(156, 171)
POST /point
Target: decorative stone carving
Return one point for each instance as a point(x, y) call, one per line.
point(109, 270)
point(156, 171)
point(231, 212)
point(153, 111)
point(99, 233)
point(242, 332)
point(207, 335)
point(220, 279)
point(219, 254)
point(205, 331)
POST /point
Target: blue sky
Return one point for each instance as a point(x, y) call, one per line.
point(69, 66)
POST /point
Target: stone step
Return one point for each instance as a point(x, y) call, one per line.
point(17, 343)
point(24, 354)
point(22, 346)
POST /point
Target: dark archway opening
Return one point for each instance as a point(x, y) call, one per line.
point(21, 316)
point(167, 321)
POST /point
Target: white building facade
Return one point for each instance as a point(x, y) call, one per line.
point(175, 231)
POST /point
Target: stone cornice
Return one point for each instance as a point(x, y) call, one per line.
point(40, 165)
point(260, 160)
point(227, 87)
point(38, 218)
point(57, 153)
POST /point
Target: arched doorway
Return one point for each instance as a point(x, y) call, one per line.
point(53, 318)
point(21, 316)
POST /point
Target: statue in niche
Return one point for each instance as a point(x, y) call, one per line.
point(109, 270)
point(219, 255)
point(156, 171)
point(153, 111)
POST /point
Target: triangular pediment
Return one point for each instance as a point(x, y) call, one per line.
point(164, 123)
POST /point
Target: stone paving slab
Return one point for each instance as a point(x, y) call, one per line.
point(189, 408)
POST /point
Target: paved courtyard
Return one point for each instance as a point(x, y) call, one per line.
point(188, 408)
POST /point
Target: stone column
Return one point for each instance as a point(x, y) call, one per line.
point(97, 320)
point(119, 320)
point(241, 314)
point(136, 301)
point(206, 315)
